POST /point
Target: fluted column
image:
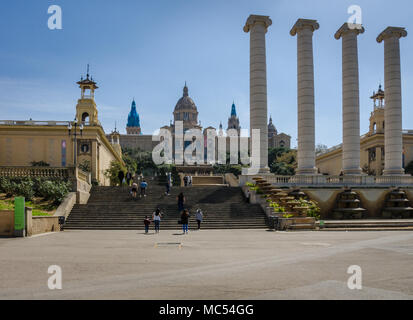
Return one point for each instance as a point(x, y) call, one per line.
point(257, 27)
point(393, 139)
point(351, 101)
point(304, 29)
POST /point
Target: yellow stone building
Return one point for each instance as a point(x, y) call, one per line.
point(371, 145)
point(62, 144)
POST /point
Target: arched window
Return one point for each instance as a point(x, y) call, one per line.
point(282, 143)
point(85, 117)
point(374, 127)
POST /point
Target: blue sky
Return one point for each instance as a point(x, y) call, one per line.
point(148, 49)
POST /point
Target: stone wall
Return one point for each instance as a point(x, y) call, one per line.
point(372, 199)
point(44, 224)
point(6, 223)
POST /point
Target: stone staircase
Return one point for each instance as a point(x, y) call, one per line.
point(113, 208)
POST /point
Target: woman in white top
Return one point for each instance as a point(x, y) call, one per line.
point(157, 215)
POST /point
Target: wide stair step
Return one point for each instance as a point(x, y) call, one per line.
point(113, 208)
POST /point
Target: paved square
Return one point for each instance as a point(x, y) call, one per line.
point(210, 264)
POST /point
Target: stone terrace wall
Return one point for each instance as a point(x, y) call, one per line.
point(6, 223)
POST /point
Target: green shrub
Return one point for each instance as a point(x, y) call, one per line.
point(85, 166)
point(313, 208)
point(24, 189)
point(50, 189)
point(6, 186)
point(39, 164)
point(54, 190)
point(277, 208)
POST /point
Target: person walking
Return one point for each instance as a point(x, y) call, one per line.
point(121, 175)
point(144, 185)
point(146, 222)
point(181, 201)
point(168, 188)
point(128, 177)
point(199, 217)
point(134, 190)
point(185, 221)
point(157, 215)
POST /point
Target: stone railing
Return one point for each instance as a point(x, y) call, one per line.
point(332, 181)
point(34, 172)
point(76, 175)
point(39, 123)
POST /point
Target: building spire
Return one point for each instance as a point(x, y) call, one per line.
point(233, 110)
point(185, 90)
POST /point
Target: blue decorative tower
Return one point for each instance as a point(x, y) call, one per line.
point(133, 126)
point(233, 121)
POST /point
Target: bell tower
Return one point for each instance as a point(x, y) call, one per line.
point(86, 110)
point(377, 116)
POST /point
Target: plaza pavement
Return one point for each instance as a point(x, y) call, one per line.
point(210, 264)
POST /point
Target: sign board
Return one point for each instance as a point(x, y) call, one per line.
point(19, 220)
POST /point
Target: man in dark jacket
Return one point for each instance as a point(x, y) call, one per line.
point(121, 175)
point(128, 178)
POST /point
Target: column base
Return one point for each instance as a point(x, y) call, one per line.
point(394, 172)
point(307, 172)
point(255, 171)
point(353, 172)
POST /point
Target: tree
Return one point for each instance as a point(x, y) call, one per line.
point(282, 161)
point(113, 171)
point(138, 161)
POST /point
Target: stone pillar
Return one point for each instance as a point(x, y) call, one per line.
point(257, 26)
point(393, 139)
point(304, 29)
point(351, 101)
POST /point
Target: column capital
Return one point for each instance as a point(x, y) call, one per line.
point(304, 24)
point(254, 19)
point(390, 32)
point(347, 28)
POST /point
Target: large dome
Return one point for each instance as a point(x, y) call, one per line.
point(185, 103)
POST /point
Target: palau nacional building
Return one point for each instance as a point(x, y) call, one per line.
point(186, 111)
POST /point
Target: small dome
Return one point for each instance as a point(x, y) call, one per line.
point(185, 102)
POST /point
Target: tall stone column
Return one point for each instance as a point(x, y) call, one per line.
point(351, 101)
point(393, 139)
point(257, 26)
point(304, 29)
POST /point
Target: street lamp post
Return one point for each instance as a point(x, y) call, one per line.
point(72, 127)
